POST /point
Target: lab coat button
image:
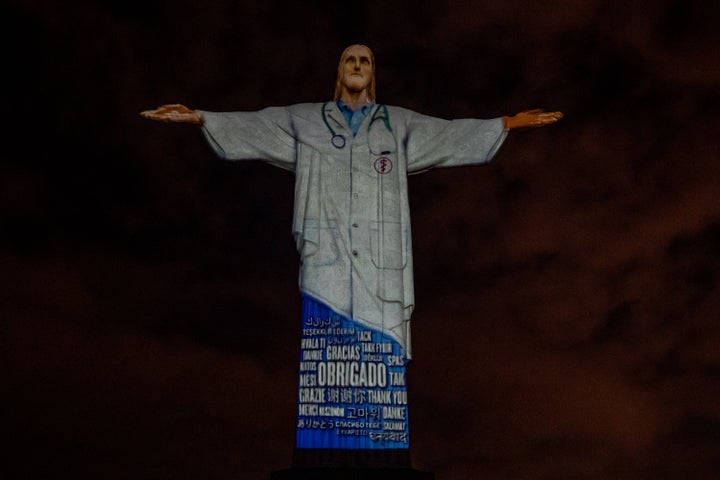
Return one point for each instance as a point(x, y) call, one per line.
point(355, 225)
point(354, 252)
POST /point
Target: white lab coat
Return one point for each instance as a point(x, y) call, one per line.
point(351, 218)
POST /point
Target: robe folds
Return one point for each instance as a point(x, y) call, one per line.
point(351, 220)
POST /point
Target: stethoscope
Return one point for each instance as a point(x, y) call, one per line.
point(338, 140)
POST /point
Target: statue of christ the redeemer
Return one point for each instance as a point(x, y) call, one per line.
point(351, 157)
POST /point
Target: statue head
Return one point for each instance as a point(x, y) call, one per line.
point(356, 71)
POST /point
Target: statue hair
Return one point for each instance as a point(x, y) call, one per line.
point(338, 82)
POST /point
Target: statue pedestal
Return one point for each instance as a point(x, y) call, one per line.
point(351, 474)
point(339, 464)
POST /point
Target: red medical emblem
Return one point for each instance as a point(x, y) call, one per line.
point(383, 165)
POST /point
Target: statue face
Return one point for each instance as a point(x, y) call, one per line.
point(357, 68)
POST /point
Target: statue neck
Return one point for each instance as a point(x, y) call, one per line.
point(354, 100)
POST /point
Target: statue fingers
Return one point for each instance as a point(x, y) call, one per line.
point(548, 117)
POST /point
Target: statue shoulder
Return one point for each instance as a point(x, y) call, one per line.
point(306, 113)
point(400, 112)
point(303, 108)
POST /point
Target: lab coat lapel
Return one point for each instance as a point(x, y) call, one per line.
point(336, 120)
point(362, 133)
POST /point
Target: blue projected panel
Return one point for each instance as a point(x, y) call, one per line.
point(352, 392)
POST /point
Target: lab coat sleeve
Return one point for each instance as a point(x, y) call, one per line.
point(434, 142)
point(266, 135)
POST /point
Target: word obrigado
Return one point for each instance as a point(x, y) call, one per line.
point(351, 374)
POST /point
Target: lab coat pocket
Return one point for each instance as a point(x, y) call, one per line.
point(388, 244)
point(320, 242)
point(381, 143)
point(381, 140)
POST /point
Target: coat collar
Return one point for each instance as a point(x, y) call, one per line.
point(336, 121)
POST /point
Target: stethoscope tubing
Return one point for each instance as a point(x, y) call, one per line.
point(338, 140)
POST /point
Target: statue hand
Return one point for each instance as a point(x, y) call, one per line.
point(174, 113)
point(531, 119)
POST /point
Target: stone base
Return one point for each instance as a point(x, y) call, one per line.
point(341, 464)
point(330, 473)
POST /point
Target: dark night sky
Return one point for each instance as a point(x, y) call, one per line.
point(568, 293)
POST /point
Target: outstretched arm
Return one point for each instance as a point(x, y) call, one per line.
point(174, 113)
point(531, 119)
